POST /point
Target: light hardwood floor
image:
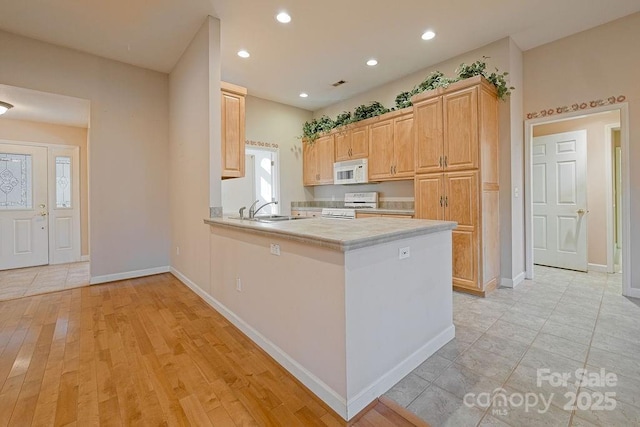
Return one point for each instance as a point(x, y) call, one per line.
point(145, 351)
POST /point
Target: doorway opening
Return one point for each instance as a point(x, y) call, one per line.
point(576, 191)
point(43, 192)
point(260, 184)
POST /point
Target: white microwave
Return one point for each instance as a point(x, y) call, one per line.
point(351, 172)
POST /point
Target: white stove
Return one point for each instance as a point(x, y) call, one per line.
point(352, 202)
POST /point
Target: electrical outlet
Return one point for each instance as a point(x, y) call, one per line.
point(404, 253)
point(177, 250)
point(275, 249)
point(238, 284)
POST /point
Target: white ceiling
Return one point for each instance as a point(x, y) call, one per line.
point(327, 40)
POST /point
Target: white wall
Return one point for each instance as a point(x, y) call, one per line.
point(129, 148)
point(194, 139)
point(268, 121)
point(594, 64)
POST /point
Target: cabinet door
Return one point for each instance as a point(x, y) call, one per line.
point(429, 140)
point(366, 215)
point(461, 129)
point(461, 205)
point(403, 143)
point(326, 152)
point(232, 144)
point(309, 163)
point(342, 140)
point(380, 150)
point(360, 143)
point(429, 196)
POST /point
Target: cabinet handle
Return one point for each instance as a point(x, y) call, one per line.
point(394, 170)
point(446, 161)
point(440, 161)
point(441, 202)
point(446, 201)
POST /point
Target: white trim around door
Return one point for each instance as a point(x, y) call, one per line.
point(626, 192)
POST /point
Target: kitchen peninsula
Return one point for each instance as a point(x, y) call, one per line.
point(348, 307)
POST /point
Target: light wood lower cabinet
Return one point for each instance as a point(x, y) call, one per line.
point(306, 213)
point(456, 196)
point(378, 215)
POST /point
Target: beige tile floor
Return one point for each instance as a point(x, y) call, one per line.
point(561, 321)
point(38, 280)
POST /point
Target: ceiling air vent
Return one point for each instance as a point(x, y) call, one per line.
point(338, 83)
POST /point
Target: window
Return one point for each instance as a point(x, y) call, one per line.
point(63, 182)
point(15, 181)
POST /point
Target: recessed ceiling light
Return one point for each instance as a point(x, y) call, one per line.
point(4, 107)
point(303, 95)
point(283, 17)
point(428, 35)
point(243, 54)
point(372, 63)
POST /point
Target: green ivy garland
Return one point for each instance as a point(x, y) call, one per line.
point(313, 129)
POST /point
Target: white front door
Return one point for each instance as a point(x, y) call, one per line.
point(64, 210)
point(559, 195)
point(23, 206)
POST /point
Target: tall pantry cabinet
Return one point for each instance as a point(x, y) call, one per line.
point(456, 159)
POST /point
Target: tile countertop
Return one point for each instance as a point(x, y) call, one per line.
point(338, 234)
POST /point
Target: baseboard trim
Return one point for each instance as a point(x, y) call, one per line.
point(128, 275)
point(632, 292)
point(512, 283)
point(600, 268)
point(309, 380)
point(388, 380)
point(84, 258)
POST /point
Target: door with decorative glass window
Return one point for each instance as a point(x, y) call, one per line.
point(23, 206)
point(64, 210)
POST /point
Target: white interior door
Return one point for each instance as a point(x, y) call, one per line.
point(64, 209)
point(559, 196)
point(23, 206)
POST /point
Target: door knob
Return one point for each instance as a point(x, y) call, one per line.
point(43, 213)
point(581, 211)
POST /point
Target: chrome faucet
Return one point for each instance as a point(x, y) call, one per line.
point(252, 213)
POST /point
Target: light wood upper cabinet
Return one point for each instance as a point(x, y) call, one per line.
point(429, 139)
point(461, 129)
point(391, 145)
point(447, 131)
point(381, 150)
point(318, 159)
point(352, 143)
point(233, 128)
point(403, 143)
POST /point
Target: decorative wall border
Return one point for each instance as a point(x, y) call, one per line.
point(261, 144)
point(577, 106)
